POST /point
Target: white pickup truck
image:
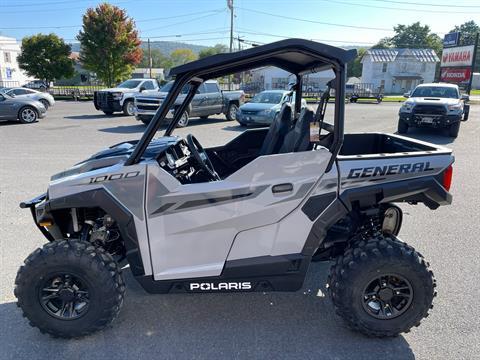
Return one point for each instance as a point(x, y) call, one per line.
point(121, 98)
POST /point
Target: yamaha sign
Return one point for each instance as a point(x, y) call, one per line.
point(458, 56)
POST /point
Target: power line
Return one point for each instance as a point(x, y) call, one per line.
point(185, 21)
point(136, 21)
point(41, 3)
point(429, 4)
point(315, 21)
point(399, 9)
point(251, 32)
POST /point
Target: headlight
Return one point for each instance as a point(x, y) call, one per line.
point(455, 107)
point(407, 107)
point(117, 95)
point(265, 112)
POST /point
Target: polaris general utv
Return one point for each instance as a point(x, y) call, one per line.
point(250, 215)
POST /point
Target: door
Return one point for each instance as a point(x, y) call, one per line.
point(7, 108)
point(200, 102)
point(215, 98)
point(193, 228)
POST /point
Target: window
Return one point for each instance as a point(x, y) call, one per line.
point(384, 67)
point(211, 87)
point(148, 85)
point(7, 57)
point(19, 92)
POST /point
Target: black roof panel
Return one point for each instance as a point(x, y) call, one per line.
point(293, 55)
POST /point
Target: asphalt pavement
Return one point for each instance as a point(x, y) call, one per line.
point(239, 326)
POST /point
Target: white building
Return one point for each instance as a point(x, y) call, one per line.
point(272, 78)
point(10, 73)
point(397, 71)
point(144, 73)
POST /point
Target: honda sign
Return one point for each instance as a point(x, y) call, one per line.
point(455, 75)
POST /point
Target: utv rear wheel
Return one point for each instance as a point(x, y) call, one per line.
point(402, 127)
point(381, 287)
point(69, 288)
point(454, 129)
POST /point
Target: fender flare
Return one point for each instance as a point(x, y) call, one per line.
point(102, 199)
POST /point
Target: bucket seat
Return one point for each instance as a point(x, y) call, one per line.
point(298, 138)
point(277, 131)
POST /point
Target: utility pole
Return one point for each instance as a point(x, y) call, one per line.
point(230, 6)
point(149, 58)
point(469, 86)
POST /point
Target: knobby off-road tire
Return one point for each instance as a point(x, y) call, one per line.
point(69, 269)
point(352, 274)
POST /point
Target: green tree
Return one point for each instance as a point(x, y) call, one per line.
point(217, 49)
point(354, 67)
point(158, 60)
point(468, 32)
point(109, 43)
point(182, 56)
point(46, 57)
point(416, 36)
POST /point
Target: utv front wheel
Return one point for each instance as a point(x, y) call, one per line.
point(69, 288)
point(381, 287)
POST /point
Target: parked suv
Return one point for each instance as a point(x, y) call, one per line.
point(437, 105)
point(209, 100)
point(121, 97)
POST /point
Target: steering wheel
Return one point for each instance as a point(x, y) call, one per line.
point(201, 156)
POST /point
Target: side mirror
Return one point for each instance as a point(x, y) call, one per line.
point(406, 95)
point(465, 97)
point(142, 88)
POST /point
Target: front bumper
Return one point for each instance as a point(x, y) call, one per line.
point(254, 119)
point(39, 213)
point(430, 120)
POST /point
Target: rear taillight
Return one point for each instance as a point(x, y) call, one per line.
point(447, 177)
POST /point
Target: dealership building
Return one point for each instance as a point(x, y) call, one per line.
point(396, 71)
point(10, 73)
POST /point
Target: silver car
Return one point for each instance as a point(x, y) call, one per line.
point(23, 109)
point(45, 98)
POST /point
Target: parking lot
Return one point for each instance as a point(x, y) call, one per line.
point(251, 325)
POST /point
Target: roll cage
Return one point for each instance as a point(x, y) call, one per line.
point(296, 56)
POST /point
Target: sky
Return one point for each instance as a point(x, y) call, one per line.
point(207, 22)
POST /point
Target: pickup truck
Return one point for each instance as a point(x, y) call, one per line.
point(438, 105)
point(121, 98)
point(209, 100)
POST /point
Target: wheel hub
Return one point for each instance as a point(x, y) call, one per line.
point(387, 296)
point(64, 296)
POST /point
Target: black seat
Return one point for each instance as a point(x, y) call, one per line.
point(298, 138)
point(277, 131)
